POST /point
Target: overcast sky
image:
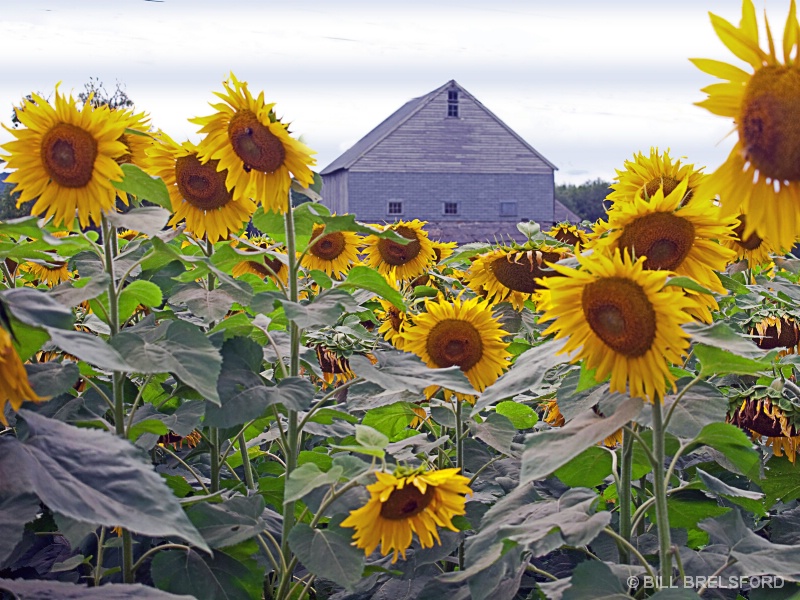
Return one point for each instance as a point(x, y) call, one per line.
point(586, 83)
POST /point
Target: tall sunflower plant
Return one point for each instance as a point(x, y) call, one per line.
point(200, 375)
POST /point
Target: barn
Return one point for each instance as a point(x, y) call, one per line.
point(446, 159)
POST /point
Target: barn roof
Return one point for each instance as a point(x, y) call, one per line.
point(400, 116)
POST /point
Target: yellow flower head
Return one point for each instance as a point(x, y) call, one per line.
point(335, 253)
point(393, 323)
point(400, 505)
point(254, 147)
point(401, 261)
point(463, 334)
point(620, 319)
point(755, 250)
point(14, 385)
point(66, 159)
point(674, 235)
point(567, 233)
point(761, 176)
point(197, 191)
point(263, 265)
point(646, 175)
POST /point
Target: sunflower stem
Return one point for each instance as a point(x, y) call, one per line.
point(660, 494)
point(7, 274)
point(624, 493)
point(248, 469)
point(293, 432)
point(213, 439)
point(460, 466)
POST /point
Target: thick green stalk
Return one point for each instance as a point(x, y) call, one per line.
point(624, 493)
point(460, 465)
point(248, 469)
point(213, 442)
point(660, 494)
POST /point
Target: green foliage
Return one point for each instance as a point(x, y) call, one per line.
point(585, 200)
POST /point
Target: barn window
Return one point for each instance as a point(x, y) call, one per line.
point(508, 209)
point(450, 208)
point(452, 103)
point(395, 207)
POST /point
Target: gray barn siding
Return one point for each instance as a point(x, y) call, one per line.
point(478, 195)
point(334, 191)
point(432, 142)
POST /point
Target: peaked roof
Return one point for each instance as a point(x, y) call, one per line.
point(400, 116)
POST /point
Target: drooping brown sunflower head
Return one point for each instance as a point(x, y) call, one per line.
point(567, 233)
point(777, 332)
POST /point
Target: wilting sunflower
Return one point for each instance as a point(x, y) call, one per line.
point(177, 441)
point(460, 333)
point(567, 233)
point(753, 249)
point(761, 177)
point(335, 253)
point(14, 385)
point(50, 273)
point(393, 323)
point(673, 235)
point(401, 261)
point(647, 174)
point(254, 147)
point(197, 191)
point(408, 502)
point(65, 159)
point(264, 265)
point(775, 328)
point(775, 418)
point(509, 275)
point(620, 319)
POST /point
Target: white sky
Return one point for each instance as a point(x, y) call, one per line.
point(587, 83)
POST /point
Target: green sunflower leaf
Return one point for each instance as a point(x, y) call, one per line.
point(138, 183)
point(328, 553)
point(365, 278)
point(221, 577)
point(138, 292)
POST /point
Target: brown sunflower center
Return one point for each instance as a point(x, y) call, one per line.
point(669, 183)
point(200, 185)
point(752, 416)
point(619, 312)
point(68, 154)
point(454, 342)
point(407, 502)
point(664, 238)
point(395, 318)
point(769, 122)
point(751, 243)
point(330, 246)
point(398, 254)
point(567, 237)
point(519, 275)
point(254, 143)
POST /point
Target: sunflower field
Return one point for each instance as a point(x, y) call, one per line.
point(206, 392)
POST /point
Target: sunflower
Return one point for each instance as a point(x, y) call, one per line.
point(177, 441)
point(460, 333)
point(567, 233)
point(443, 250)
point(401, 261)
point(753, 249)
point(621, 319)
point(393, 323)
point(648, 174)
point(14, 385)
point(197, 191)
point(508, 275)
point(135, 138)
point(254, 147)
point(777, 331)
point(674, 235)
point(764, 417)
point(265, 265)
point(404, 503)
point(761, 176)
point(335, 253)
point(50, 273)
point(65, 159)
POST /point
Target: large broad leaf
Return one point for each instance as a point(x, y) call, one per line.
point(546, 451)
point(528, 371)
point(15, 511)
point(497, 432)
point(176, 347)
point(732, 442)
point(719, 335)
point(89, 348)
point(36, 308)
point(594, 580)
point(588, 469)
point(308, 477)
point(149, 220)
point(231, 522)
point(369, 279)
point(328, 553)
point(221, 577)
point(211, 305)
point(716, 361)
point(753, 554)
point(138, 183)
point(80, 473)
point(702, 405)
point(136, 293)
point(398, 371)
point(52, 378)
point(73, 293)
point(37, 589)
point(325, 309)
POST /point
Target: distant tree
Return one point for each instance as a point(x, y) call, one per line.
point(100, 96)
point(8, 202)
point(586, 199)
